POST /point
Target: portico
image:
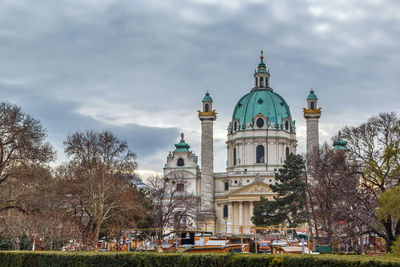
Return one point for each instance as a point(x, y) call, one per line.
point(235, 209)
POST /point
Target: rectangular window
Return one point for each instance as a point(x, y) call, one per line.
point(225, 211)
point(180, 187)
point(234, 157)
point(226, 186)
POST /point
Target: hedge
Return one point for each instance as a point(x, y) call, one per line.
point(32, 259)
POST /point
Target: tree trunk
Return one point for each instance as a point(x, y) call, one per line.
point(314, 219)
point(309, 219)
point(389, 243)
point(389, 233)
point(99, 222)
point(97, 231)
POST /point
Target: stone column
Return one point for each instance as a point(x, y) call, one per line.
point(241, 212)
point(228, 159)
point(207, 209)
point(312, 135)
point(207, 180)
point(312, 115)
point(251, 210)
point(223, 219)
point(242, 161)
point(230, 217)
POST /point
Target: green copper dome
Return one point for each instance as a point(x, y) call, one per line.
point(340, 144)
point(311, 95)
point(207, 98)
point(266, 102)
point(182, 146)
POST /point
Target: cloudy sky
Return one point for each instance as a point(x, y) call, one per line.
point(141, 68)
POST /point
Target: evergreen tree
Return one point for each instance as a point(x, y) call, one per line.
point(288, 205)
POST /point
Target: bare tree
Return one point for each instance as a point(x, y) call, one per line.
point(333, 192)
point(24, 173)
point(172, 206)
point(22, 143)
point(346, 186)
point(376, 145)
point(93, 185)
point(41, 207)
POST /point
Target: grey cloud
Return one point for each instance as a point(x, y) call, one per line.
point(60, 120)
point(152, 56)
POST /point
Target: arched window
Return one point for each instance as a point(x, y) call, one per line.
point(260, 154)
point(287, 152)
point(260, 122)
point(235, 126)
point(206, 107)
point(286, 125)
point(180, 162)
point(312, 105)
point(261, 81)
point(234, 156)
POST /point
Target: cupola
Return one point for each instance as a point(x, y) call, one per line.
point(207, 103)
point(182, 146)
point(312, 100)
point(339, 143)
point(261, 75)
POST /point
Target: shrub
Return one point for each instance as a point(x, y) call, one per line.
point(33, 259)
point(395, 248)
point(5, 243)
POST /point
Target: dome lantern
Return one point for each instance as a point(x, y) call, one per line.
point(261, 76)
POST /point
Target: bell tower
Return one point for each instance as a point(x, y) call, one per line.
point(312, 114)
point(207, 209)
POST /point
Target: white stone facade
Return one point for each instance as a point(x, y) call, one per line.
point(275, 142)
point(188, 174)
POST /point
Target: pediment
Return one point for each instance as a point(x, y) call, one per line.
point(254, 188)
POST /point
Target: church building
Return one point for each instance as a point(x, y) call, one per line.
point(261, 135)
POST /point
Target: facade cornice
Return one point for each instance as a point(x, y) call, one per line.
point(181, 168)
point(260, 137)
